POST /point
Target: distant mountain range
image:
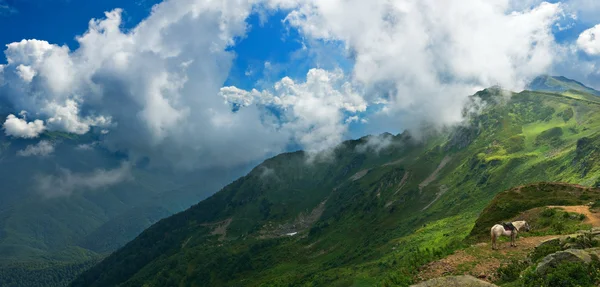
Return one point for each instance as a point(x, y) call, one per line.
point(68, 206)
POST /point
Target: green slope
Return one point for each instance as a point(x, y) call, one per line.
point(364, 217)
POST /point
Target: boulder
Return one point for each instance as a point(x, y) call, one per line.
point(570, 255)
point(556, 241)
point(455, 281)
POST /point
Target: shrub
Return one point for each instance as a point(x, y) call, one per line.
point(510, 272)
point(565, 275)
point(544, 250)
point(583, 241)
point(548, 212)
point(559, 226)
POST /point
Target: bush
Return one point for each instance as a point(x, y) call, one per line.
point(544, 250)
point(565, 275)
point(559, 226)
point(510, 272)
point(548, 212)
point(583, 241)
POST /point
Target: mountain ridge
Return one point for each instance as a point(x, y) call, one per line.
point(559, 84)
point(374, 202)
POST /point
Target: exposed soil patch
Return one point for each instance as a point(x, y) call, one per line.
point(480, 260)
point(359, 175)
point(393, 162)
point(433, 176)
point(402, 182)
point(302, 222)
point(443, 190)
point(220, 228)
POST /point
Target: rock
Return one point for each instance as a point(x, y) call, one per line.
point(571, 255)
point(455, 281)
point(550, 242)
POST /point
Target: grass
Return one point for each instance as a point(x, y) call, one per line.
point(375, 230)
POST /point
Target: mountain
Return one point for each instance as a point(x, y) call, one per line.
point(371, 211)
point(559, 84)
point(62, 212)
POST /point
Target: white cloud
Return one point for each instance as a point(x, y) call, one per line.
point(26, 73)
point(352, 119)
point(589, 40)
point(233, 95)
point(67, 182)
point(85, 147)
point(427, 56)
point(158, 86)
point(66, 118)
point(313, 111)
point(587, 11)
point(43, 148)
point(376, 143)
point(154, 87)
point(20, 128)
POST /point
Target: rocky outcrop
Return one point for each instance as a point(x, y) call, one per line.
point(581, 240)
point(455, 281)
point(570, 255)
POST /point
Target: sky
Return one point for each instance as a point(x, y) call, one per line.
point(198, 84)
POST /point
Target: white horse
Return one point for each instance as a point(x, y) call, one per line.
point(498, 230)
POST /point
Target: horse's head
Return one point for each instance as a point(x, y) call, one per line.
point(526, 226)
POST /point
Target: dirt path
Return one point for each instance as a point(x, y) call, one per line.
point(590, 217)
point(481, 261)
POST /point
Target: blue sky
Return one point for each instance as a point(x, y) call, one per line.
point(270, 41)
point(59, 21)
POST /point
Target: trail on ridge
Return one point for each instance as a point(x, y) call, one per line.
point(481, 261)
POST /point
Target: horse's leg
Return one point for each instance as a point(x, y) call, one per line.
point(493, 240)
point(515, 238)
point(512, 239)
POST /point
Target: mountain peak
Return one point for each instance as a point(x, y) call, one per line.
point(546, 83)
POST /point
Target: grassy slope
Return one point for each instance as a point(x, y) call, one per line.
point(373, 230)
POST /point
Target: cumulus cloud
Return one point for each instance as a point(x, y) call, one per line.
point(20, 128)
point(67, 182)
point(43, 148)
point(589, 41)
point(158, 86)
point(426, 57)
point(154, 87)
point(312, 112)
point(26, 73)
